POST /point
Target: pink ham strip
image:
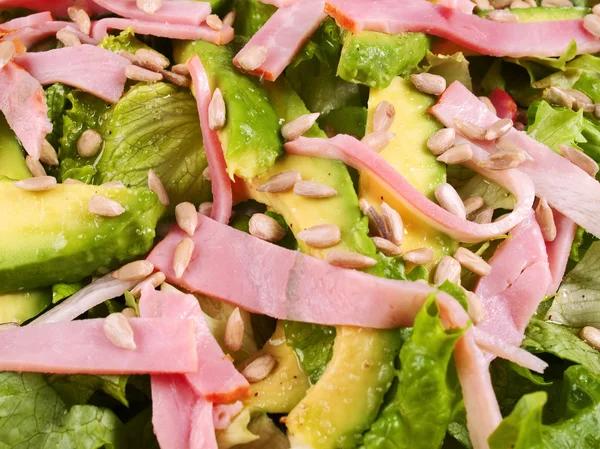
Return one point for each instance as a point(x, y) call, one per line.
point(182, 12)
point(23, 102)
point(168, 30)
point(567, 188)
point(220, 182)
point(203, 430)
point(280, 3)
point(27, 21)
point(82, 347)
point(224, 413)
point(216, 378)
point(465, 6)
point(92, 69)
point(283, 36)
point(354, 153)
point(518, 282)
point(30, 36)
point(56, 7)
point(475, 33)
point(559, 249)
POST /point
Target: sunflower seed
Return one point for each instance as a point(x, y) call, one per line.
point(48, 155)
point(181, 69)
point(505, 144)
point(149, 6)
point(294, 129)
point(419, 256)
point(441, 141)
point(378, 141)
point(217, 111)
point(545, 219)
point(383, 116)
point(449, 199)
point(519, 4)
point(129, 56)
point(151, 60)
point(321, 236)
point(182, 256)
point(556, 3)
point(266, 228)
point(559, 97)
point(81, 18)
point(156, 185)
point(483, 5)
point(134, 271)
point(393, 223)
point(456, 155)
point(89, 143)
point(483, 216)
point(312, 189)
point(38, 184)
point(519, 126)
point(175, 78)
point(137, 73)
point(386, 247)
point(580, 100)
point(346, 259)
point(229, 18)
point(499, 129)
point(7, 52)
point(281, 182)
point(429, 83)
point(67, 38)
point(35, 167)
point(252, 58)
point(447, 270)
point(472, 262)
point(376, 225)
point(206, 174)
point(105, 207)
point(259, 368)
point(502, 160)
point(205, 208)
point(488, 103)
point(73, 182)
point(470, 130)
point(472, 204)
point(155, 280)
point(115, 184)
point(501, 217)
point(502, 15)
point(475, 307)
point(186, 217)
point(500, 4)
point(214, 22)
point(579, 158)
point(118, 330)
point(591, 336)
point(129, 312)
point(234, 331)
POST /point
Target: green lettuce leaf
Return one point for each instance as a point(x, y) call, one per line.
point(56, 99)
point(78, 389)
point(538, 67)
point(250, 16)
point(493, 78)
point(589, 85)
point(494, 195)
point(427, 390)
point(346, 120)
point(126, 41)
point(138, 433)
point(156, 126)
point(553, 127)
point(451, 67)
point(62, 291)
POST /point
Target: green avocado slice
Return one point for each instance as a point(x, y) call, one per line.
point(12, 159)
point(543, 14)
point(22, 306)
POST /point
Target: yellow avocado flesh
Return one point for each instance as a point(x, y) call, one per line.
point(12, 160)
point(409, 155)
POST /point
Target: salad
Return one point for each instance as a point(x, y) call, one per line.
point(307, 224)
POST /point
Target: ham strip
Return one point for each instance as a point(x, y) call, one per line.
point(82, 347)
point(168, 30)
point(23, 102)
point(182, 12)
point(30, 36)
point(567, 188)
point(484, 36)
point(559, 249)
point(280, 3)
point(92, 69)
point(223, 414)
point(220, 182)
point(216, 379)
point(355, 154)
point(56, 7)
point(283, 35)
point(203, 430)
point(465, 6)
point(27, 21)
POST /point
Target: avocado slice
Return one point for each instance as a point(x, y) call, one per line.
point(12, 159)
point(409, 155)
point(20, 307)
point(374, 59)
point(543, 14)
point(50, 237)
point(250, 138)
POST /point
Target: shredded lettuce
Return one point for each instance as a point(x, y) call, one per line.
point(126, 41)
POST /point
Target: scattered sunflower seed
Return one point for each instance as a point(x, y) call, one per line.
point(579, 158)
point(181, 69)
point(488, 103)
point(475, 307)
point(469, 130)
point(156, 185)
point(182, 256)
point(483, 216)
point(419, 256)
point(441, 141)
point(591, 336)
point(383, 116)
point(386, 247)
point(259, 368)
point(129, 56)
point(457, 154)
point(175, 78)
point(7, 52)
point(483, 5)
point(378, 140)
point(89, 143)
point(137, 73)
point(500, 4)
point(347, 259)
point(519, 126)
point(472, 262)
point(134, 271)
point(312, 189)
point(67, 38)
point(35, 167)
point(281, 182)
point(48, 156)
point(559, 97)
point(229, 18)
point(149, 6)
point(214, 22)
point(252, 58)
point(155, 280)
point(376, 224)
point(81, 18)
point(429, 83)
point(499, 129)
point(545, 219)
point(296, 128)
point(321, 236)
point(597, 110)
point(472, 204)
point(73, 181)
point(206, 174)
point(234, 331)
point(186, 217)
point(37, 184)
point(118, 330)
point(448, 269)
point(503, 160)
point(596, 9)
point(205, 208)
point(266, 228)
point(129, 312)
point(556, 3)
point(516, 4)
point(217, 111)
point(449, 199)
point(393, 223)
point(580, 100)
point(151, 60)
point(105, 207)
point(502, 15)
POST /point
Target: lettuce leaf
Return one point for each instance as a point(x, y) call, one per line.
point(346, 120)
point(125, 40)
point(250, 16)
point(62, 291)
point(156, 126)
point(494, 195)
point(451, 67)
point(427, 390)
point(553, 127)
point(78, 389)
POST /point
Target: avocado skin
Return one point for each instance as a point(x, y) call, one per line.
point(50, 237)
point(374, 59)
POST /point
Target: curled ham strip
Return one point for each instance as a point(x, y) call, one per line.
point(82, 347)
point(27, 21)
point(355, 154)
point(203, 431)
point(484, 36)
point(168, 30)
point(283, 35)
point(465, 6)
point(23, 102)
point(92, 69)
point(559, 249)
point(220, 182)
point(184, 12)
point(216, 379)
point(56, 7)
point(30, 36)
point(567, 188)
point(518, 282)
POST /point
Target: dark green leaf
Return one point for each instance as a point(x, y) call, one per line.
point(553, 127)
point(78, 389)
point(62, 291)
point(126, 41)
